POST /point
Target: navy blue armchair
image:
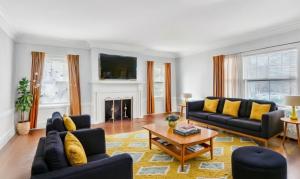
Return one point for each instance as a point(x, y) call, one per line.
point(56, 122)
point(99, 165)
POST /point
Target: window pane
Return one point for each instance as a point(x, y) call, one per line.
point(55, 85)
point(159, 79)
point(258, 90)
point(271, 76)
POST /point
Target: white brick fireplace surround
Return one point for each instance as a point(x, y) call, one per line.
point(115, 89)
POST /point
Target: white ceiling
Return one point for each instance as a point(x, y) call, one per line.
point(179, 26)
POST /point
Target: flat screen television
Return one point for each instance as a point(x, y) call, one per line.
point(117, 67)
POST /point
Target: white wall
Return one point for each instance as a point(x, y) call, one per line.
point(23, 69)
point(195, 72)
point(141, 74)
point(88, 73)
point(7, 127)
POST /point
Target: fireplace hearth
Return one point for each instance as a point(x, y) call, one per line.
point(118, 108)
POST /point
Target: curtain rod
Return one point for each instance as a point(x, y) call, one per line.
point(290, 43)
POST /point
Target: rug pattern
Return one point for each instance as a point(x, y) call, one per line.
point(155, 164)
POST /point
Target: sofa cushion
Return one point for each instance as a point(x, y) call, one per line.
point(69, 124)
point(211, 105)
point(231, 108)
point(220, 118)
point(243, 106)
point(249, 105)
point(54, 151)
point(246, 123)
point(97, 157)
point(57, 122)
point(74, 150)
point(220, 104)
point(201, 115)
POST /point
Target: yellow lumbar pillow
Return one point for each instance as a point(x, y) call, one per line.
point(258, 110)
point(210, 105)
point(231, 108)
point(69, 124)
point(74, 150)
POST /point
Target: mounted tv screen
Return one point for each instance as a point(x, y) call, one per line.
point(117, 67)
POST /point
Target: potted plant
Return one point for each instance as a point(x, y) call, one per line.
point(172, 120)
point(23, 104)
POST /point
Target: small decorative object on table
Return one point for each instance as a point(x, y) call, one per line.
point(186, 130)
point(293, 101)
point(172, 119)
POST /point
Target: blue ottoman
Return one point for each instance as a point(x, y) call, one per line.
point(258, 163)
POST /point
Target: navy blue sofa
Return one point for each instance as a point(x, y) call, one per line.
point(56, 122)
point(263, 130)
point(50, 160)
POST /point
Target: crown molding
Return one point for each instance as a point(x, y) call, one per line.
point(6, 26)
point(131, 48)
point(249, 37)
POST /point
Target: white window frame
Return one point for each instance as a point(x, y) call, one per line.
point(59, 104)
point(161, 81)
point(273, 50)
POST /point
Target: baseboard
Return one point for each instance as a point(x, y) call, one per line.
point(4, 139)
point(9, 132)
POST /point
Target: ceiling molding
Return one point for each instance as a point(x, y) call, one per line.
point(249, 37)
point(6, 26)
point(131, 48)
point(87, 45)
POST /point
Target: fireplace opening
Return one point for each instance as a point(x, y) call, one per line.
point(118, 109)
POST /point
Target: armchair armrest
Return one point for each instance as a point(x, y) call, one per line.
point(92, 140)
point(271, 123)
point(82, 121)
point(119, 166)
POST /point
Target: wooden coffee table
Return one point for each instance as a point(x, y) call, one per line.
point(178, 144)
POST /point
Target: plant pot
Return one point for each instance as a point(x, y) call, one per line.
point(23, 127)
point(172, 124)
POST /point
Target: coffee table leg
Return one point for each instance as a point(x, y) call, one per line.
point(182, 157)
point(211, 148)
point(150, 137)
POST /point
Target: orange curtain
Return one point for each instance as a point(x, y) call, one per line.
point(168, 87)
point(74, 83)
point(218, 75)
point(150, 91)
point(37, 66)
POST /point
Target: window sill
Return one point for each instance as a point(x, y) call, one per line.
point(47, 106)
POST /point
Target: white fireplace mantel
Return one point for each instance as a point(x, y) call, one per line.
point(115, 88)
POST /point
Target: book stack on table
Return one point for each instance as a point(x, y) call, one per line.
point(186, 130)
point(195, 148)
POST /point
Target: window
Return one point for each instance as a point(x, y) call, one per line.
point(55, 82)
point(159, 80)
point(271, 76)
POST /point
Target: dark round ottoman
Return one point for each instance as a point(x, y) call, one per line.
point(258, 163)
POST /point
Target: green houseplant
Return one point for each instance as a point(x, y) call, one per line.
point(23, 104)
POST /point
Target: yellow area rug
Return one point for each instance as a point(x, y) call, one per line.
point(155, 164)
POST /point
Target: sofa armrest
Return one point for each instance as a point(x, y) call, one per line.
point(82, 121)
point(49, 125)
point(119, 166)
point(92, 140)
point(194, 106)
point(271, 123)
point(39, 165)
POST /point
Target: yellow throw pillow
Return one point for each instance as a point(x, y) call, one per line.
point(210, 105)
point(69, 124)
point(258, 110)
point(231, 108)
point(74, 150)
